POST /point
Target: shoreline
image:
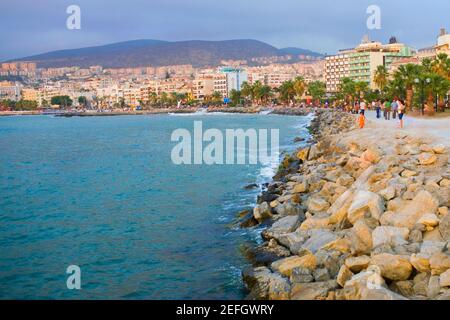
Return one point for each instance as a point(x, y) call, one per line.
point(357, 215)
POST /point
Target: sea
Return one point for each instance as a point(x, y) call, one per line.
point(103, 194)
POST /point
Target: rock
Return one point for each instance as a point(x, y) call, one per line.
point(415, 236)
point(289, 209)
point(344, 275)
point(301, 187)
point(421, 284)
point(444, 227)
point(371, 155)
point(440, 149)
point(433, 287)
point(389, 235)
point(368, 285)
point(404, 288)
point(317, 204)
point(301, 275)
point(387, 193)
point(432, 247)
point(251, 186)
point(432, 235)
point(285, 266)
point(321, 275)
point(420, 262)
point(365, 203)
point(439, 263)
point(444, 279)
point(284, 225)
point(408, 173)
point(263, 284)
point(331, 260)
point(357, 264)
point(407, 216)
point(262, 212)
point(319, 238)
point(361, 238)
point(427, 159)
point(392, 267)
point(345, 180)
point(429, 220)
point(445, 183)
point(303, 154)
point(312, 291)
point(443, 211)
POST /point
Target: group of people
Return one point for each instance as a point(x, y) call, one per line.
point(396, 108)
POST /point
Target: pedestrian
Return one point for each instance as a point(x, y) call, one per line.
point(401, 113)
point(362, 108)
point(378, 108)
point(387, 110)
point(394, 107)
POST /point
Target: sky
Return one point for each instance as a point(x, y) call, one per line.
point(29, 27)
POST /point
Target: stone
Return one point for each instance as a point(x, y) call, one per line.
point(357, 264)
point(262, 212)
point(361, 238)
point(420, 262)
point(345, 180)
point(404, 288)
point(317, 204)
point(433, 287)
point(429, 220)
point(284, 225)
point(289, 209)
point(444, 227)
point(371, 155)
point(285, 266)
point(303, 154)
point(432, 247)
point(415, 236)
point(443, 211)
point(301, 275)
point(265, 285)
point(407, 216)
point(387, 193)
point(439, 263)
point(408, 173)
point(392, 267)
point(312, 291)
point(444, 279)
point(432, 235)
point(389, 235)
point(344, 275)
point(300, 187)
point(445, 183)
point(427, 159)
point(365, 203)
point(321, 275)
point(319, 238)
point(421, 282)
point(439, 149)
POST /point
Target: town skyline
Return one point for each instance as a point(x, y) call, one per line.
point(320, 30)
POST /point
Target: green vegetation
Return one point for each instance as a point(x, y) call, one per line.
point(61, 101)
point(21, 105)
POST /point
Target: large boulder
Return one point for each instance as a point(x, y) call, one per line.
point(360, 237)
point(357, 264)
point(420, 262)
point(444, 279)
point(317, 204)
point(266, 285)
point(392, 267)
point(407, 216)
point(365, 204)
point(312, 291)
point(444, 227)
point(262, 212)
point(439, 263)
point(282, 226)
point(344, 275)
point(286, 265)
point(390, 235)
point(319, 238)
point(427, 159)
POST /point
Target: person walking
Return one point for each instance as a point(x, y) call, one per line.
point(378, 108)
point(387, 110)
point(401, 113)
point(394, 107)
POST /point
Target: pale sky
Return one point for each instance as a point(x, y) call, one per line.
point(30, 27)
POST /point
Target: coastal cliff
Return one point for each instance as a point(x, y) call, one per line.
point(358, 215)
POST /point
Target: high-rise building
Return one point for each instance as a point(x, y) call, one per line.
point(361, 63)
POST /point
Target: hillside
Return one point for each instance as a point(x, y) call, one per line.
point(161, 53)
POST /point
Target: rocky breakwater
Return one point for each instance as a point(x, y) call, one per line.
point(361, 214)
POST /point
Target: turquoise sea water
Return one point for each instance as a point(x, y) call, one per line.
point(103, 194)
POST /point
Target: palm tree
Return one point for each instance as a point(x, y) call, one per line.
point(300, 87)
point(381, 77)
point(235, 97)
point(406, 76)
point(439, 87)
point(247, 91)
point(317, 90)
point(347, 89)
point(441, 66)
point(286, 91)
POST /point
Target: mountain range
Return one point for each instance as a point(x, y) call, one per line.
point(138, 53)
